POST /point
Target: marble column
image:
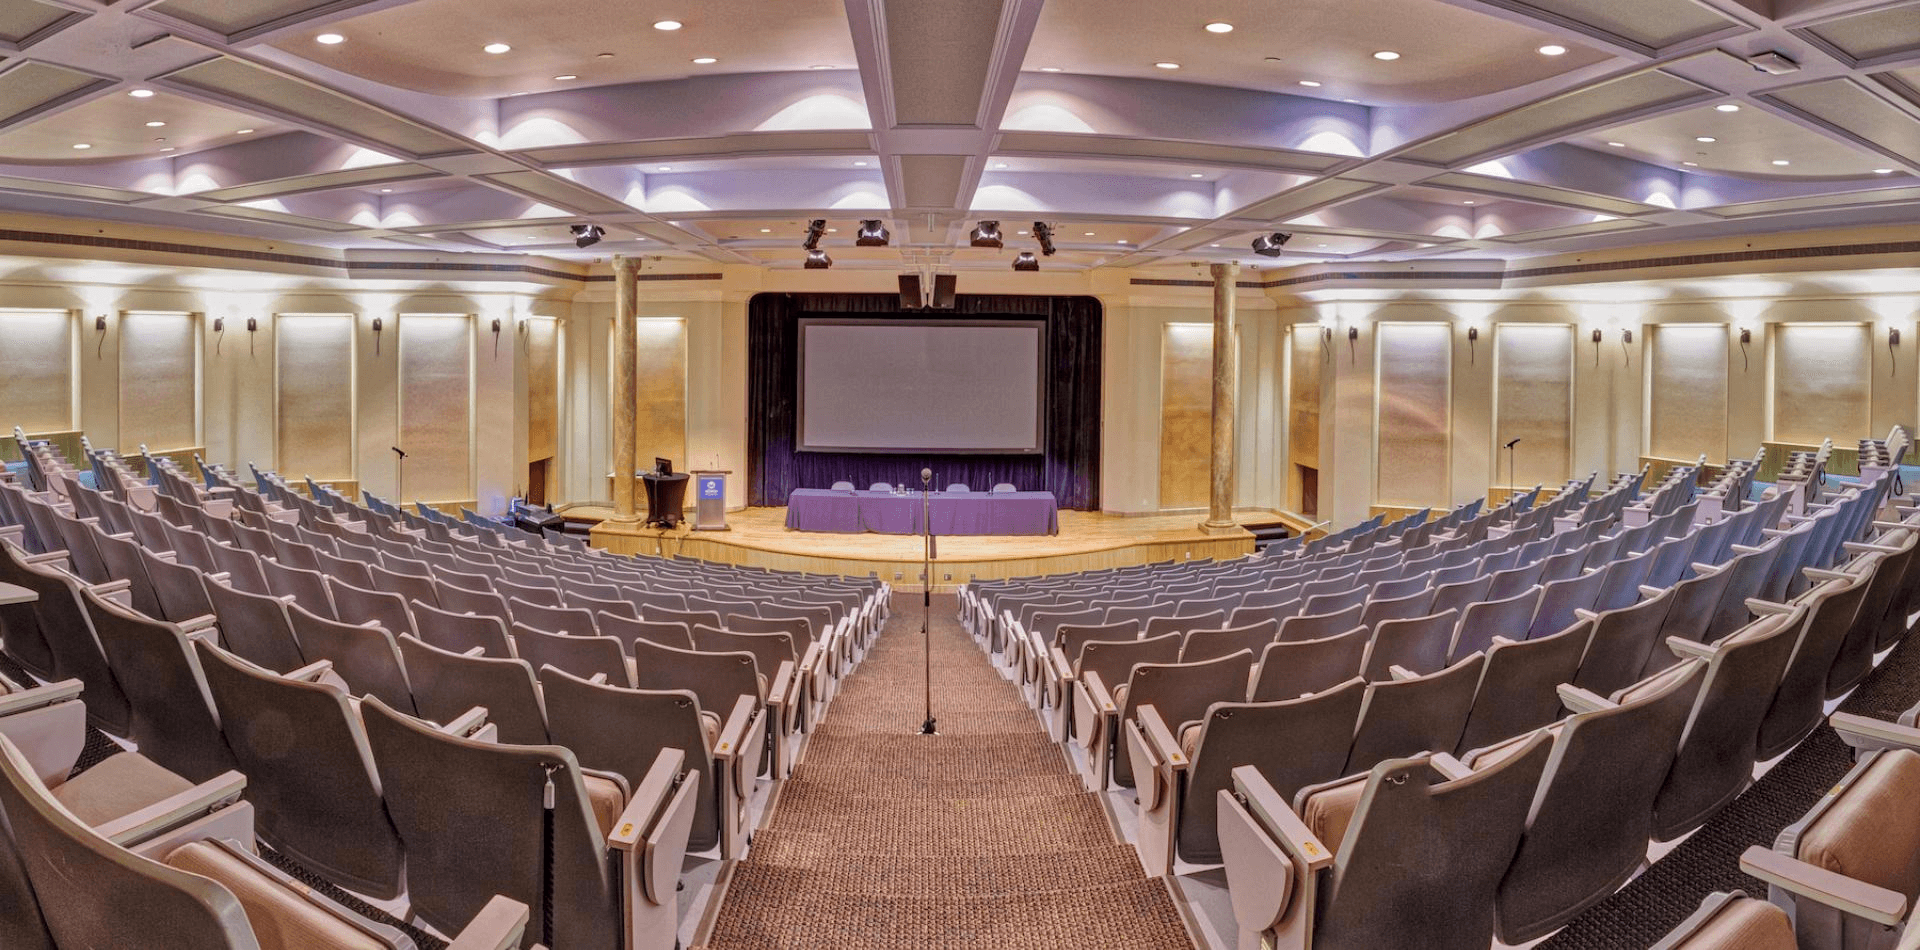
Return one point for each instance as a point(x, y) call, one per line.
point(1226, 382)
point(626, 357)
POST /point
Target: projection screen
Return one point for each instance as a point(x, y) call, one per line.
point(945, 386)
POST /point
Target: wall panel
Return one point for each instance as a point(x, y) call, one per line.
point(436, 406)
point(314, 407)
point(159, 380)
point(660, 424)
point(1412, 418)
point(1533, 402)
point(36, 369)
point(1687, 391)
point(1822, 382)
point(543, 388)
point(1186, 415)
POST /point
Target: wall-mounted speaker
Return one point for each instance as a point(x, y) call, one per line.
point(915, 295)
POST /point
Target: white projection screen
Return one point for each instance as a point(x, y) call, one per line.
point(946, 386)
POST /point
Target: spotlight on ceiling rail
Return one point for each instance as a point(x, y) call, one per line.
point(816, 229)
point(587, 235)
point(872, 234)
point(1026, 261)
point(1269, 245)
point(1043, 233)
point(817, 259)
point(986, 234)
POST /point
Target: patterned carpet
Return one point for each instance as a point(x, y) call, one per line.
point(979, 837)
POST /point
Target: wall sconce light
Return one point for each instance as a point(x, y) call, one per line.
point(219, 333)
point(1893, 340)
point(100, 327)
point(379, 323)
point(1473, 336)
point(1626, 355)
point(1746, 337)
point(496, 338)
point(253, 327)
point(1596, 346)
point(1353, 334)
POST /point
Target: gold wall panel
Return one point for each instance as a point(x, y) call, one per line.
point(1687, 399)
point(159, 380)
point(1411, 430)
point(1822, 382)
point(1533, 402)
point(36, 370)
point(1186, 415)
point(543, 388)
point(660, 387)
point(436, 405)
point(1303, 397)
point(314, 411)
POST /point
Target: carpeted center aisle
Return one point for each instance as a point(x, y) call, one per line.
point(979, 837)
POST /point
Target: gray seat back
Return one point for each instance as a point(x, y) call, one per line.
point(1379, 610)
point(1181, 693)
point(1519, 689)
point(172, 715)
point(181, 589)
point(673, 634)
point(445, 685)
point(1212, 644)
point(309, 773)
point(1456, 597)
point(570, 621)
point(1296, 668)
point(367, 658)
point(1114, 659)
point(1623, 638)
point(581, 656)
point(1799, 704)
point(241, 567)
point(1320, 626)
point(460, 632)
point(621, 730)
point(72, 646)
point(1483, 621)
point(718, 679)
point(1560, 599)
point(1515, 581)
point(1418, 644)
point(358, 605)
point(688, 617)
point(122, 557)
point(307, 588)
point(1403, 717)
point(256, 627)
point(1183, 623)
point(1749, 571)
point(408, 586)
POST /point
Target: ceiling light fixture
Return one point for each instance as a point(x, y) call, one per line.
point(665, 168)
point(1707, 139)
point(766, 230)
point(1466, 202)
point(872, 234)
point(156, 124)
point(859, 164)
point(1691, 164)
point(817, 259)
point(1269, 245)
point(1196, 175)
point(386, 191)
point(1043, 233)
point(1726, 107)
point(603, 56)
point(1616, 145)
point(140, 93)
point(986, 234)
point(497, 48)
point(81, 145)
point(1219, 27)
point(1026, 262)
point(565, 78)
point(1088, 234)
point(1883, 171)
point(999, 164)
point(1386, 56)
point(587, 235)
point(1310, 84)
point(821, 66)
point(167, 149)
point(1166, 65)
point(667, 25)
point(330, 39)
point(1553, 49)
point(1781, 161)
point(704, 60)
point(1049, 69)
point(815, 230)
point(243, 131)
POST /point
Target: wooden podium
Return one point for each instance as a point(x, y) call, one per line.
point(710, 500)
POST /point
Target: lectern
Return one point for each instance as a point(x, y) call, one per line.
point(710, 500)
point(665, 494)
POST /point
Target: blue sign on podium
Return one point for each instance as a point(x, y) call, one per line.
point(710, 501)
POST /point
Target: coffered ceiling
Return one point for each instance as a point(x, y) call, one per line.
point(1141, 131)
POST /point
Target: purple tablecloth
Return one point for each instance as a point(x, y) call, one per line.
point(953, 513)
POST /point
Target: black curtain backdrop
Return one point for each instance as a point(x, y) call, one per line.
point(1070, 466)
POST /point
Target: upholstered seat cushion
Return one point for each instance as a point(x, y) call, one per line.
point(710, 724)
point(1190, 739)
point(1744, 924)
point(606, 800)
point(1871, 833)
point(1329, 811)
point(281, 919)
point(122, 784)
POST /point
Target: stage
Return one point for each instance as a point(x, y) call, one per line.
point(1087, 541)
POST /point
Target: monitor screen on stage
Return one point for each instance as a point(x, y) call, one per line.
point(936, 386)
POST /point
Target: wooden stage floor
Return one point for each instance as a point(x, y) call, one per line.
point(1087, 541)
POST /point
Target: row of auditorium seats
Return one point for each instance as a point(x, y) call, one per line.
point(1534, 693)
point(477, 720)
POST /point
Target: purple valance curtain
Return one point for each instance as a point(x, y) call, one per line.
point(1069, 468)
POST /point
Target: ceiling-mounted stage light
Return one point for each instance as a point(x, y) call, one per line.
point(1269, 245)
point(986, 234)
point(1043, 233)
point(815, 230)
point(1026, 261)
point(587, 235)
point(817, 259)
point(872, 234)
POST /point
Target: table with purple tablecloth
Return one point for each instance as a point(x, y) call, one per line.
point(953, 513)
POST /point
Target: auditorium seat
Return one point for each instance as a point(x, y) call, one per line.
point(1287, 670)
point(1418, 645)
point(353, 604)
point(1320, 626)
point(585, 655)
point(1622, 640)
point(1730, 920)
point(1354, 831)
point(1408, 715)
point(73, 651)
point(365, 657)
point(1520, 687)
point(461, 632)
point(1208, 644)
point(1181, 693)
point(1798, 703)
point(447, 686)
point(1481, 622)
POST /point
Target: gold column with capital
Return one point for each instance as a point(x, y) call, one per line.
point(626, 355)
point(1226, 382)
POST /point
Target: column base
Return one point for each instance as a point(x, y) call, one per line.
point(1221, 527)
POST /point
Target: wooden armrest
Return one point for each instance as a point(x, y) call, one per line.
point(1688, 649)
point(1061, 668)
point(1864, 547)
point(311, 671)
point(598, 679)
point(651, 794)
point(781, 688)
point(498, 926)
point(1850, 897)
point(1744, 548)
point(1581, 700)
point(1271, 810)
point(1500, 640)
point(39, 696)
point(1862, 732)
point(1822, 574)
point(467, 723)
point(1398, 673)
point(1450, 768)
point(211, 795)
point(1581, 613)
point(475, 651)
point(1097, 691)
point(1766, 608)
point(733, 736)
point(1160, 738)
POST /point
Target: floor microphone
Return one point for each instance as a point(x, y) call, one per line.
point(926, 476)
point(1513, 443)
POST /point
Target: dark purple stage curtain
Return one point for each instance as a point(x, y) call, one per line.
point(1069, 468)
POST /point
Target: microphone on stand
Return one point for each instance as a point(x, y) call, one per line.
point(926, 477)
point(927, 728)
point(396, 451)
point(1513, 443)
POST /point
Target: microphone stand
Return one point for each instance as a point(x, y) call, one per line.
point(926, 596)
point(399, 477)
point(1511, 487)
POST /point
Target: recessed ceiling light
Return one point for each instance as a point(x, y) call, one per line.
point(1219, 27)
point(1213, 245)
point(1120, 242)
point(1089, 234)
point(859, 164)
point(1781, 161)
point(1021, 233)
point(565, 78)
point(668, 25)
point(156, 124)
point(329, 39)
point(999, 164)
point(1310, 84)
point(1691, 164)
point(140, 93)
point(1705, 138)
point(243, 131)
point(1466, 202)
point(1386, 55)
point(1350, 100)
point(821, 66)
point(766, 230)
point(704, 60)
point(81, 145)
point(1616, 145)
point(837, 231)
point(497, 48)
point(1049, 69)
point(1166, 65)
point(666, 168)
point(1883, 171)
point(1553, 49)
point(1196, 175)
point(386, 191)
point(1726, 107)
point(167, 149)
